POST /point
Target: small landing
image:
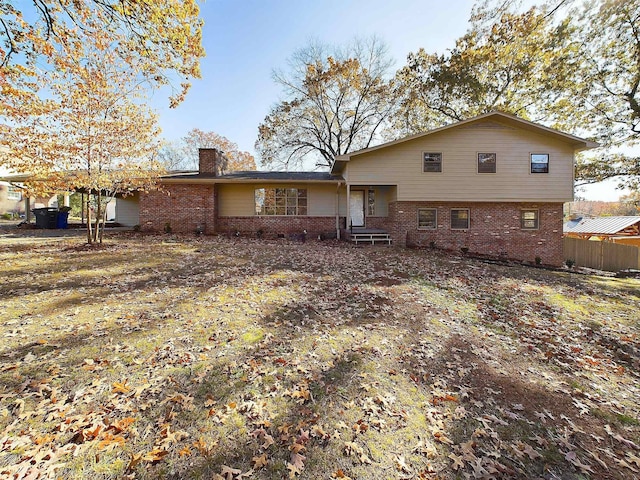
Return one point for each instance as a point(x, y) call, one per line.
point(370, 236)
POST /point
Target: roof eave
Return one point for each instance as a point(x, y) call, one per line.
point(217, 180)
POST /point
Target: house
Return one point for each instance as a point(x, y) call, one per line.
point(620, 229)
point(494, 184)
point(10, 199)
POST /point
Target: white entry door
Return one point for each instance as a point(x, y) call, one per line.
point(356, 208)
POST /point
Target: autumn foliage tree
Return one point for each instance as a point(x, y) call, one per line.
point(335, 102)
point(515, 63)
point(237, 160)
point(183, 154)
point(162, 37)
point(607, 88)
point(92, 133)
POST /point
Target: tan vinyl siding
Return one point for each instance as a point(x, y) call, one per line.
point(459, 180)
point(128, 210)
point(238, 200)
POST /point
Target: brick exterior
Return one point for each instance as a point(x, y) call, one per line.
point(272, 226)
point(494, 229)
point(184, 207)
point(211, 160)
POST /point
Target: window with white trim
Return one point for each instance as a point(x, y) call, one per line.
point(539, 163)
point(427, 218)
point(529, 219)
point(371, 203)
point(281, 201)
point(486, 163)
point(459, 219)
point(14, 193)
point(431, 162)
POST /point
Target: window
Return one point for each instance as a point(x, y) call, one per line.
point(432, 162)
point(371, 203)
point(486, 163)
point(14, 193)
point(539, 163)
point(529, 219)
point(281, 201)
point(427, 218)
point(459, 218)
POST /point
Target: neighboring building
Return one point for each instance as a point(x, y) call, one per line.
point(623, 229)
point(494, 185)
point(11, 199)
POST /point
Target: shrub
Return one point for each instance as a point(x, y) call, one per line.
point(464, 250)
point(432, 244)
point(167, 228)
point(538, 260)
point(569, 263)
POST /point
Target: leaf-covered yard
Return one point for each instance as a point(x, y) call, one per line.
point(167, 357)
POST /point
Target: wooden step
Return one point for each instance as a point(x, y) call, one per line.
point(371, 238)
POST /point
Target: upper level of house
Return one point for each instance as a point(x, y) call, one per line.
point(493, 157)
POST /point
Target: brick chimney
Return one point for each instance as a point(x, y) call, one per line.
point(211, 161)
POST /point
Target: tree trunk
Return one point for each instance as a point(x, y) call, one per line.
point(89, 233)
point(96, 230)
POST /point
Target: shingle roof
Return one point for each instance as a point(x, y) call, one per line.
point(603, 225)
point(258, 175)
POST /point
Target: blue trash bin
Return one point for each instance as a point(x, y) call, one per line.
point(63, 220)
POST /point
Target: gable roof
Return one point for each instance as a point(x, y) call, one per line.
point(602, 225)
point(577, 142)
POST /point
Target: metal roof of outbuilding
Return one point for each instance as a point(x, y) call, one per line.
point(603, 225)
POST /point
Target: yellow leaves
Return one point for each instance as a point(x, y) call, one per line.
point(120, 387)
point(340, 474)
point(110, 441)
point(155, 455)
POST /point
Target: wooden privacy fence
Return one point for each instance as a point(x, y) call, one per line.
point(607, 256)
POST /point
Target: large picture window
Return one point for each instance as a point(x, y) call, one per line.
point(539, 163)
point(427, 218)
point(459, 219)
point(432, 162)
point(281, 201)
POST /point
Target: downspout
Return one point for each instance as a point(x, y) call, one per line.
point(338, 210)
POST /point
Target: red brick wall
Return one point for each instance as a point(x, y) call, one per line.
point(494, 229)
point(184, 207)
point(278, 225)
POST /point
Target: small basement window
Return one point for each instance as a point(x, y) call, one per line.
point(427, 218)
point(486, 163)
point(459, 219)
point(529, 219)
point(432, 162)
point(539, 163)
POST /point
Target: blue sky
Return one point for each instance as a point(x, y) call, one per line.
point(246, 40)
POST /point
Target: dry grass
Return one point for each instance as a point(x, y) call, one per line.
point(169, 357)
